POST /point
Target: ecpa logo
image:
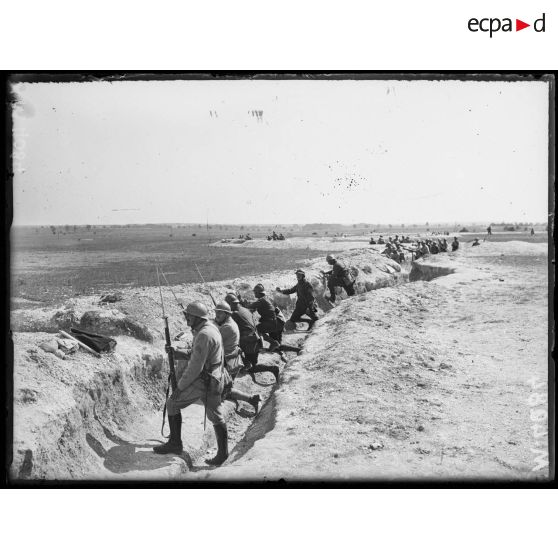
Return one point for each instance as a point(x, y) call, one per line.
point(492, 25)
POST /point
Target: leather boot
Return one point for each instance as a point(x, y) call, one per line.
point(222, 445)
point(174, 445)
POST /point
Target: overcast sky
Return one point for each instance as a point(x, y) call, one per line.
point(280, 152)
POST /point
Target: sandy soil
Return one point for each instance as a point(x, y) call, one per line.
point(442, 378)
point(445, 379)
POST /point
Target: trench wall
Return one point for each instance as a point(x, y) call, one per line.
point(71, 416)
point(425, 270)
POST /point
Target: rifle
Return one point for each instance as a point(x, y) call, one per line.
point(203, 280)
point(173, 294)
point(172, 376)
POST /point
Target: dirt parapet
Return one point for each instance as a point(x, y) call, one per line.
point(106, 321)
point(370, 270)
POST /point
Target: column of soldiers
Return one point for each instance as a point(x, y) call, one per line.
point(231, 343)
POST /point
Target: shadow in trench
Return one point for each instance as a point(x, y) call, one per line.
point(125, 456)
point(264, 422)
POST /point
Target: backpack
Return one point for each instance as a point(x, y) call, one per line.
point(99, 343)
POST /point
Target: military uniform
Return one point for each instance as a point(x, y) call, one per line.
point(269, 326)
point(340, 277)
point(305, 300)
point(250, 341)
point(202, 381)
point(231, 338)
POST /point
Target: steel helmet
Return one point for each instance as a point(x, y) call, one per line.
point(198, 309)
point(231, 298)
point(330, 258)
point(223, 307)
point(259, 288)
point(300, 271)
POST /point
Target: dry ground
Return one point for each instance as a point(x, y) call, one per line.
point(439, 380)
point(444, 379)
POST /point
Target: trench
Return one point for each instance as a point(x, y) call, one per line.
point(109, 429)
point(265, 421)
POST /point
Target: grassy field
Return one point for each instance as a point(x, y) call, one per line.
point(49, 267)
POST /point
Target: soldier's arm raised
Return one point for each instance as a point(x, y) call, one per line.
point(287, 291)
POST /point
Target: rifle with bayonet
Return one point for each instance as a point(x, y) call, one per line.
point(172, 376)
point(203, 280)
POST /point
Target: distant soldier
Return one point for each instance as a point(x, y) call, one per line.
point(476, 242)
point(202, 381)
point(250, 341)
point(443, 245)
point(305, 300)
point(532, 231)
point(489, 230)
point(338, 276)
point(434, 249)
point(422, 250)
point(381, 240)
point(281, 237)
point(233, 358)
point(454, 244)
point(372, 241)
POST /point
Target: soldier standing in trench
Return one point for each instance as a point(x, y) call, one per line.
point(305, 300)
point(250, 340)
point(201, 382)
point(455, 244)
point(339, 276)
point(233, 359)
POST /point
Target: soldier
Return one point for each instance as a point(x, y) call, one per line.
point(305, 301)
point(489, 230)
point(476, 242)
point(454, 244)
point(250, 340)
point(272, 321)
point(233, 359)
point(340, 276)
point(201, 382)
point(269, 325)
